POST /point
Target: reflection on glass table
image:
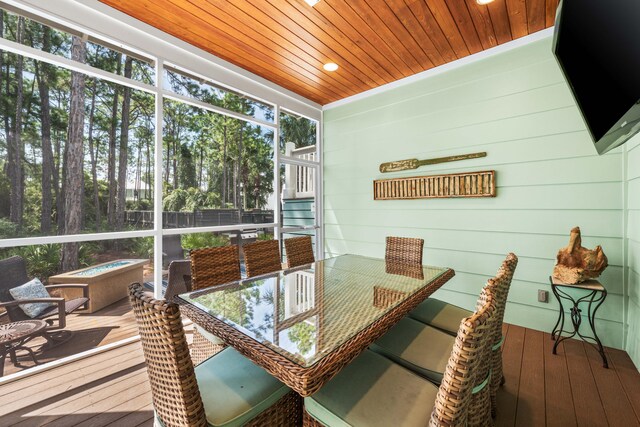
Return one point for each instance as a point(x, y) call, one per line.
point(306, 313)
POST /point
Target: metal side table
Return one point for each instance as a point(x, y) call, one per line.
point(596, 294)
point(14, 336)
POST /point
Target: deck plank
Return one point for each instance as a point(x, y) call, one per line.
point(108, 325)
point(512, 363)
point(530, 410)
point(142, 416)
point(74, 382)
point(614, 399)
point(586, 399)
point(628, 375)
point(558, 397)
point(570, 388)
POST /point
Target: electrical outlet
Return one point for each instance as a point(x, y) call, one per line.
point(543, 296)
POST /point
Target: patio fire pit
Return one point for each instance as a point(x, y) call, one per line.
point(107, 282)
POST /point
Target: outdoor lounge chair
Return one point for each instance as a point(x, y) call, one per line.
point(14, 274)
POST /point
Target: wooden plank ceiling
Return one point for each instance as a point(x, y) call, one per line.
point(373, 41)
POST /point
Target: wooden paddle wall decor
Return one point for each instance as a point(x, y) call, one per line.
point(471, 184)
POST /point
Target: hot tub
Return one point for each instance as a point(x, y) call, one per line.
point(107, 282)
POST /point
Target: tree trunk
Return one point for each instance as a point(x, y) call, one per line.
point(240, 168)
point(74, 159)
point(43, 74)
point(176, 153)
point(124, 148)
point(200, 167)
point(111, 168)
point(148, 179)
point(15, 142)
point(224, 167)
point(94, 157)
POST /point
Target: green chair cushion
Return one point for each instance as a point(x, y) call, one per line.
point(234, 390)
point(440, 314)
point(373, 391)
point(208, 335)
point(421, 348)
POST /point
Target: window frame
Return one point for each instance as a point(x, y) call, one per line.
point(50, 15)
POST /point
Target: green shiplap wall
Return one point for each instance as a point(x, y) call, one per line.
point(516, 107)
point(633, 245)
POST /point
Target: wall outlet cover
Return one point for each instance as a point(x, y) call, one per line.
point(543, 296)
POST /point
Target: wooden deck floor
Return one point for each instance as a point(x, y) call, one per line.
point(571, 388)
point(113, 323)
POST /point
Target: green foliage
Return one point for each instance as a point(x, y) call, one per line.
point(140, 205)
point(4, 189)
point(303, 334)
point(8, 229)
point(299, 130)
point(203, 240)
point(143, 247)
point(175, 201)
point(43, 261)
point(190, 200)
point(265, 236)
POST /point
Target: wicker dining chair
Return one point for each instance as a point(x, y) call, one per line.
point(443, 316)
point(424, 349)
point(299, 251)
point(203, 345)
point(211, 267)
point(374, 391)
point(227, 389)
point(404, 250)
point(262, 257)
point(214, 266)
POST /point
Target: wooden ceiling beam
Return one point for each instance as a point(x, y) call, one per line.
point(482, 22)
point(374, 42)
point(518, 18)
point(301, 26)
point(425, 18)
point(180, 24)
point(500, 21)
point(351, 38)
point(536, 15)
point(302, 54)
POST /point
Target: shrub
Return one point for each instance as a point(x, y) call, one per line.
point(7, 229)
point(143, 247)
point(203, 240)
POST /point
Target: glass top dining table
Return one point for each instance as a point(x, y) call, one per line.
point(304, 324)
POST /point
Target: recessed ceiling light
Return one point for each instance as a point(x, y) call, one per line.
point(312, 2)
point(484, 1)
point(330, 66)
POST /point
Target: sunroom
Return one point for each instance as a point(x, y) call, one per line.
point(319, 213)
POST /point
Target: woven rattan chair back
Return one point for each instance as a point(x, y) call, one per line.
point(174, 389)
point(461, 374)
point(262, 257)
point(299, 251)
point(404, 250)
point(214, 266)
point(503, 284)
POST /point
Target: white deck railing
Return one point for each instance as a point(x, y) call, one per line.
point(299, 295)
point(299, 180)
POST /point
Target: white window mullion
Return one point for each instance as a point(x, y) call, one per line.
point(60, 61)
point(276, 174)
point(319, 190)
point(219, 110)
point(157, 186)
point(72, 238)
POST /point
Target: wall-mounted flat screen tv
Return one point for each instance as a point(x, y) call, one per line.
point(597, 43)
